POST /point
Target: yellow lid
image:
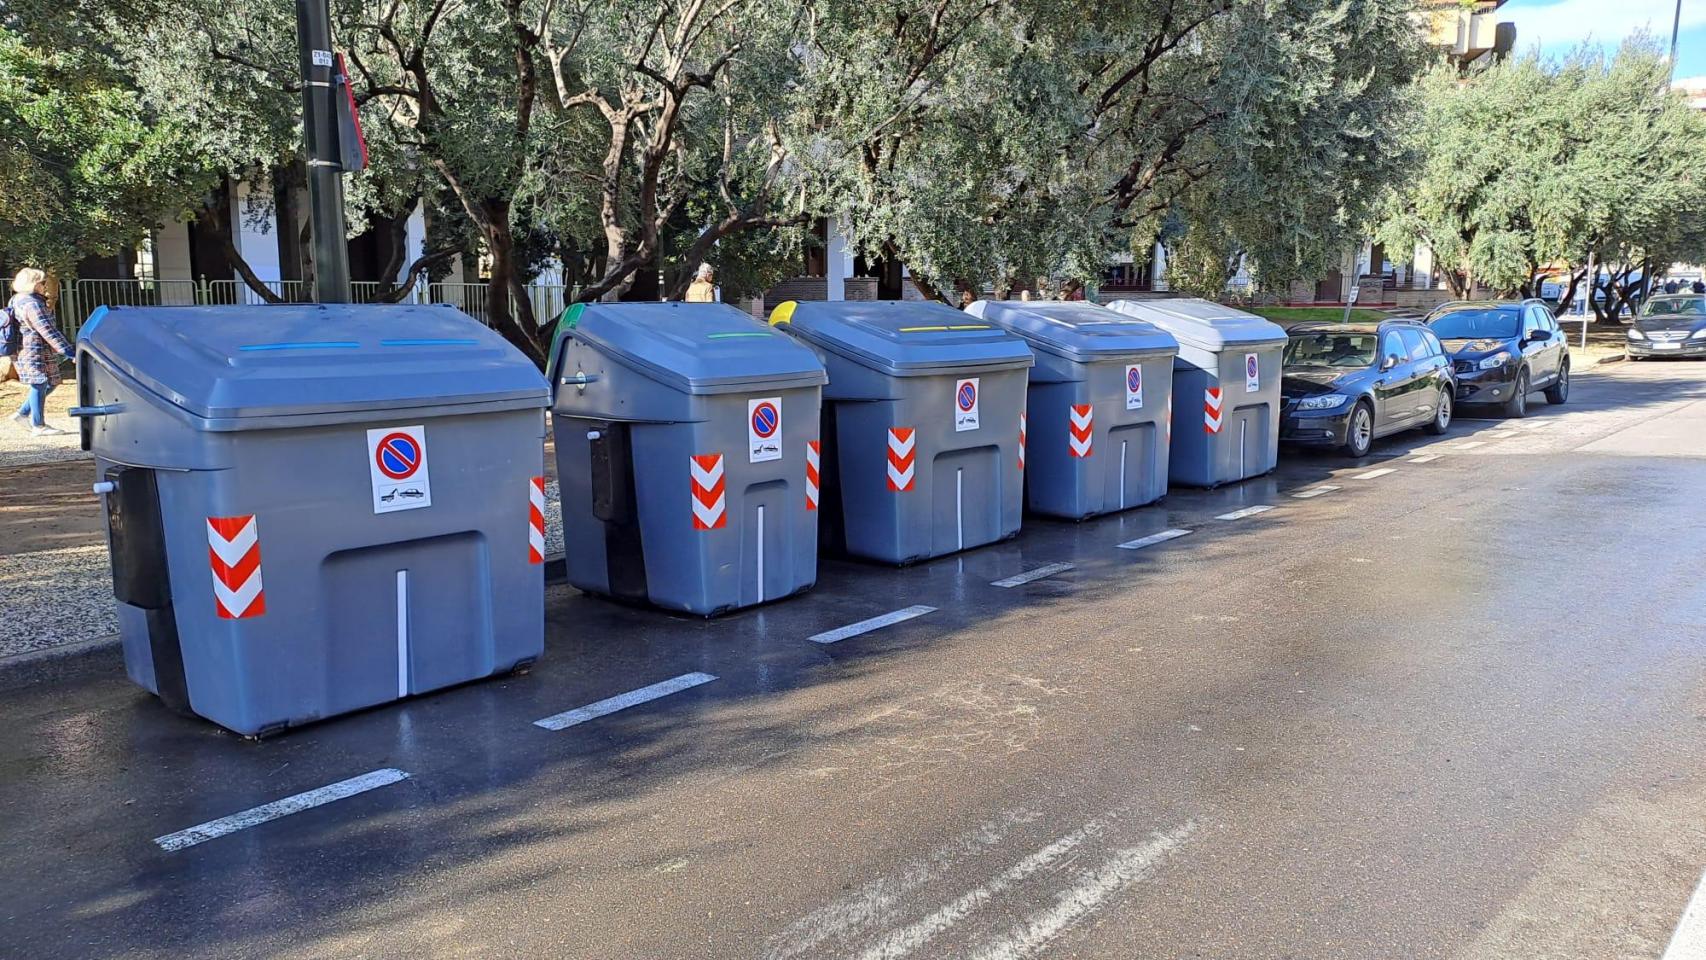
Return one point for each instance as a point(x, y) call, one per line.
point(783, 313)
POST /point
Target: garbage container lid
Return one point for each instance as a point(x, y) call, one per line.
point(698, 348)
point(247, 362)
point(903, 338)
point(1204, 323)
point(1076, 330)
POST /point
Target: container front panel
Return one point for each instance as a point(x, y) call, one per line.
point(704, 490)
point(918, 479)
point(299, 600)
point(1091, 451)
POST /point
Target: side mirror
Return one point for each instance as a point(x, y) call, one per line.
point(1536, 336)
point(1392, 360)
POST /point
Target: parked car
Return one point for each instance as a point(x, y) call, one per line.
point(1670, 325)
point(1345, 384)
point(1504, 350)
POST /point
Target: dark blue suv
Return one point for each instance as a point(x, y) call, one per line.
point(1503, 350)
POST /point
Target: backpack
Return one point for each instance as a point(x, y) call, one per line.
point(11, 333)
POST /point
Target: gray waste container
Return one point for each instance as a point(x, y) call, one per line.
point(687, 445)
point(315, 509)
point(1229, 366)
point(1096, 421)
point(922, 426)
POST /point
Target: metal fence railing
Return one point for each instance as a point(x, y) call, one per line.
point(78, 300)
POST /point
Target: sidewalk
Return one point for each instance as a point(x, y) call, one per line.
point(18, 446)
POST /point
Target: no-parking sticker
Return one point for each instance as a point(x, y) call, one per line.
point(397, 462)
point(1252, 374)
point(1134, 387)
point(764, 429)
point(965, 404)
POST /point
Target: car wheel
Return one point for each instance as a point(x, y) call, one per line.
point(1560, 391)
point(1442, 416)
point(1359, 435)
point(1517, 405)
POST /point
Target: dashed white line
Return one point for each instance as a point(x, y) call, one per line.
point(267, 812)
point(1314, 492)
point(1375, 474)
point(1471, 444)
point(875, 623)
point(1021, 579)
point(1246, 512)
point(1689, 941)
point(1093, 889)
point(610, 705)
point(1153, 539)
point(1425, 458)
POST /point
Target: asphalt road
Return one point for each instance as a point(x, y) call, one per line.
point(1456, 710)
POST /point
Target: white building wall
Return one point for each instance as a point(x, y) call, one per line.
point(414, 241)
point(254, 224)
point(1160, 273)
point(172, 264)
point(839, 258)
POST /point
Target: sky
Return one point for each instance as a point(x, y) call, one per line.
point(1558, 25)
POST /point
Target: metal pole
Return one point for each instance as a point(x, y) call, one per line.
point(1676, 21)
point(320, 140)
point(1587, 310)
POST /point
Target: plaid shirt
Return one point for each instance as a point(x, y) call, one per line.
point(35, 321)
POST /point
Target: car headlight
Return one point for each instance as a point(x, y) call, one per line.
point(1699, 334)
point(1325, 401)
point(1496, 360)
point(1635, 334)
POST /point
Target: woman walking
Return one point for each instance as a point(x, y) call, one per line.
point(37, 370)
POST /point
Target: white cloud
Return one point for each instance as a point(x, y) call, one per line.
point(1569, 22)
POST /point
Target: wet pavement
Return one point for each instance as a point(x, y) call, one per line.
point(1455, 710)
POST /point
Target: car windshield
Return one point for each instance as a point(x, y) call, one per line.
point(1330, 350)
point(1675, 306)
point(1477, 324)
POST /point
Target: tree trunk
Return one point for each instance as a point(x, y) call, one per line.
point(508, 314)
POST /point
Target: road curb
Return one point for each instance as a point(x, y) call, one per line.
point(1614, 358)
point(55, 663)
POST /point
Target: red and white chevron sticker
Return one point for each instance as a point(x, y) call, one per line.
point(234, 553)
point(1021, 441)
point(1211, 410)
point(709, 502)
point(903, 447)
point(813, 452)
point(536, 520)
point(1080, 435)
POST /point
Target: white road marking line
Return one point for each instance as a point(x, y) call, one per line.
point(1093, 889)
point(622, 701)
point(1425, 458)
point(266, 812)
point(1375, 474)
point(1501, 435)
point(874, 902)
point(1471, 444)
point(1689, 941)
point(901, 942)
point(866, 626)
point(1246, 512)
point(1313, 492)
point(1021, 579)
point(1153, 539)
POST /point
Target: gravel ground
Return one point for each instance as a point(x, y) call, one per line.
point(52, 597)
point(17, 446)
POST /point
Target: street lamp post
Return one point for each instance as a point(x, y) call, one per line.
point(320, 141)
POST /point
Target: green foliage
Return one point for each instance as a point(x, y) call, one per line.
point(83, 168)
point(1531, 166)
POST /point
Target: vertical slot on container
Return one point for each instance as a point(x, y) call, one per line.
point(402, 633)
point(1123, 447)
point(960, 506)
point(760, 551)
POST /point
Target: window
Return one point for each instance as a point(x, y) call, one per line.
point(1415, 347)
point(1330, 350)
point(1434, 346)
point(1531, 321)
point(1475, 323)
point(1392, 345)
